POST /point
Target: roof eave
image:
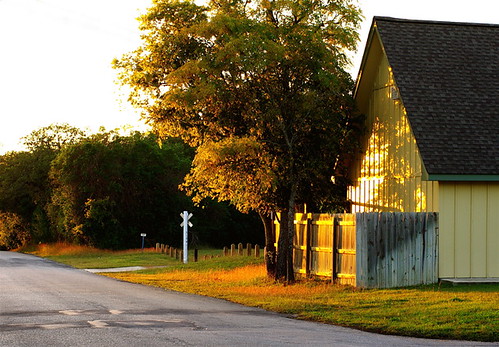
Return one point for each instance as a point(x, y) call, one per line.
point(463, 178)
point(365, 56)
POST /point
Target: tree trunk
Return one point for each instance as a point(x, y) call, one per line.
point(290, 272)
point(270, 254)
point(285, 269)
point(282, 247)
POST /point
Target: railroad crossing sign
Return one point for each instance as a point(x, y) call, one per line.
point(183, 215)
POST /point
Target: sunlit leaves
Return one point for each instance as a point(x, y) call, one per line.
point(13, 231)
point(233, 169)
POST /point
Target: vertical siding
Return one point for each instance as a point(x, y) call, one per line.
point(478, 228)
point(462, 236)
point(493, 230)
point(469, 229)
point(446, 235)
point(388, 177)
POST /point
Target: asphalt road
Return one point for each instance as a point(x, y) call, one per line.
point(43, 303)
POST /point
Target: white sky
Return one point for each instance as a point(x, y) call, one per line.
point(55, 57)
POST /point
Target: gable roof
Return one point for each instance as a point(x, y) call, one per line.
point(448, 77)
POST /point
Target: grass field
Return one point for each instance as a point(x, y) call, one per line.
point(467, 312)
point(91, 258)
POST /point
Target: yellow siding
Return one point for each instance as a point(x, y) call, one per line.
point(493, 230)
point(388, 177)
point(469, 229)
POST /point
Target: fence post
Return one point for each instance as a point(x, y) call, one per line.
point(240, 249)
point(195, 255)
point(257, 251)
point(335, 227)
point(308, 257)
point(225, 252)
point(248, 249)
point(157, 247)
point(232, 250)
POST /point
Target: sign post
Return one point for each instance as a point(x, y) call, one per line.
point(186, 224)
point(143, 236)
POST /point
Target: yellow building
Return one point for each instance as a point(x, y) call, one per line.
point(430, 94)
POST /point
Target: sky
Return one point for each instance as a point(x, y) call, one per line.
point(55, 57)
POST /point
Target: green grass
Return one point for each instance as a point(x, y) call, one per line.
point(108, 260)
point(82, 257)
point(465, 312)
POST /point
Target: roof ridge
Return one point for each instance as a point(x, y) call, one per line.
point(423, 21)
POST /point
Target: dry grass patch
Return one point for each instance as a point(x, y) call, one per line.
point(84, 257)
point(61, 248)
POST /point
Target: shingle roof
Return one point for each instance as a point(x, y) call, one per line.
point(448, 77)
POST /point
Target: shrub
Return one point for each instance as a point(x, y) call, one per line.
point(13, 231)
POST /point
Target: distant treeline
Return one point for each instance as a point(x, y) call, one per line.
point(104, 190)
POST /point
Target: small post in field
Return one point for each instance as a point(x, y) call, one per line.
point(185, 224)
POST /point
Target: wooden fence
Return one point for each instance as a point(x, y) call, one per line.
point(324, 242)
point(240, 250)
point(378, 250)
point(396, 249)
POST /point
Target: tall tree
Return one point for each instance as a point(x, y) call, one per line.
point(53, 137)
point(24, 185)
point(267, 72)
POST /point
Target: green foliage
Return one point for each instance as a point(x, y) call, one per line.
point(24, 187)
point(53, 137)
point(106, 194)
